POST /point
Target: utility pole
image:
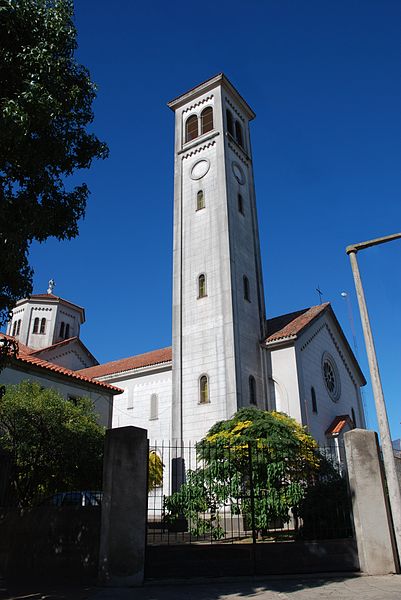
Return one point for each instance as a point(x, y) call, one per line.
point(384, 429)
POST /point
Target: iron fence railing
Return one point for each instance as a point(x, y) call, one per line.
point(247, 493)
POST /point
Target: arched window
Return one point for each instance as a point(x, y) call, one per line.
point(62, 329)
point(238, 133)
point(202, 286)
point(43, 326)
point(241, 204)
point(247, 295)
point(36, 325)
point(207, 119)
point(18, 326)
point(203, 389)
point(191, 128)
point(154, 407)
point(67, 331)
point(353, 416)
point(252, 390)
point(200, 200)
point(313, 397)
point(230, 122)
point(14, 328)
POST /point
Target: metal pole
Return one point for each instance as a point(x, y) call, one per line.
point(384, 429)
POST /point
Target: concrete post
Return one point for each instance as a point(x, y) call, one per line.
point(124, 507)
point(372, 520)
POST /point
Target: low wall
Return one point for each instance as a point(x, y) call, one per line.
point(49, 541)
point(276, 558)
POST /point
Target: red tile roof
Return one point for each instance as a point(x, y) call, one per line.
point(164, 355)
point(290, 325)
point(45, 296)
point(63, 343)
point(27, 358)
point(339, 423)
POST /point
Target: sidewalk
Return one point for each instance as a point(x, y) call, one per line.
point(340, 587)
point(303, 588)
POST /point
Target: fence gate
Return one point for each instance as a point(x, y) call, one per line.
point(244, 509)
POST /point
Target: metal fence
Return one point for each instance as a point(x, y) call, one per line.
point(247, 493)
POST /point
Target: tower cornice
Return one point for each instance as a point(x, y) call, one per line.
point(207, 85)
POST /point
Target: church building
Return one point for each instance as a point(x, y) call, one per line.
point(225, 354)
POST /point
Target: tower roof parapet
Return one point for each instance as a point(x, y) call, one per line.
point(207, 85)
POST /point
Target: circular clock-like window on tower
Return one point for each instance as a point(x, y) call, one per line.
point(200, 168)
point(331, 376)
point(238, 173)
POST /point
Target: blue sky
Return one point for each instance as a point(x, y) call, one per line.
point(324, 78)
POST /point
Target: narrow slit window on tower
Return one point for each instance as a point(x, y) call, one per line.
point(36, 325)
point(18, 326)
point(191, 128)
point(200, 200)
point(202, 286)
point(207, 119)
point(314, 401)
point(203, 389)
point(43, 326)
point(247, 295)
point(353, 416)
point(14, 328)
point(238, 134)
point(241, 204)
point(154, 407)
point(230, 122)
point(67, 331)
point(252, 390)
point(62, 329)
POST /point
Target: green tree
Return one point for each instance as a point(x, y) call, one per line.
point(257, 464)
point(45, 107)
point(55, 445)
point(155, 473)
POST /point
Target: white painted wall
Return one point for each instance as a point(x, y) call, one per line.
point(320, 337)
point(102, 400)
point(133, 406)
point(284, 382)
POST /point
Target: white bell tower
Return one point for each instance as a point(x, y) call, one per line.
point(218, 299)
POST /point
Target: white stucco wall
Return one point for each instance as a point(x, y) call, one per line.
point(321, 337)
point(284, 385)
point(133, 406)
point(102, 401)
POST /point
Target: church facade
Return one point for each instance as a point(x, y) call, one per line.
point(225, 354)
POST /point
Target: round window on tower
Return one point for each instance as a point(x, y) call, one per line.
point(331, 376)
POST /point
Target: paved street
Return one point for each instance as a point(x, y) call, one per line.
point(301, 588)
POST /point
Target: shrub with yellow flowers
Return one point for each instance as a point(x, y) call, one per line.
point(257, 464)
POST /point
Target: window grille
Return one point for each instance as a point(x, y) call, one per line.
point(252, 390)
point(207, 119)
point(200, 200)
point(36, 325)
point(203, 389)
point(191, 128)
point(202, 286)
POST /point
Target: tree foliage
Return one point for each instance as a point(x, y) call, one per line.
point(45, 107)
point(257, 464)
point(155, 473)
point(54, 444)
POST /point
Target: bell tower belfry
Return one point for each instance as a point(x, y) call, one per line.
point(218, 298)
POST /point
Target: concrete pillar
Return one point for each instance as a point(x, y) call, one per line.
point(124, 507)
point(372, 520)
